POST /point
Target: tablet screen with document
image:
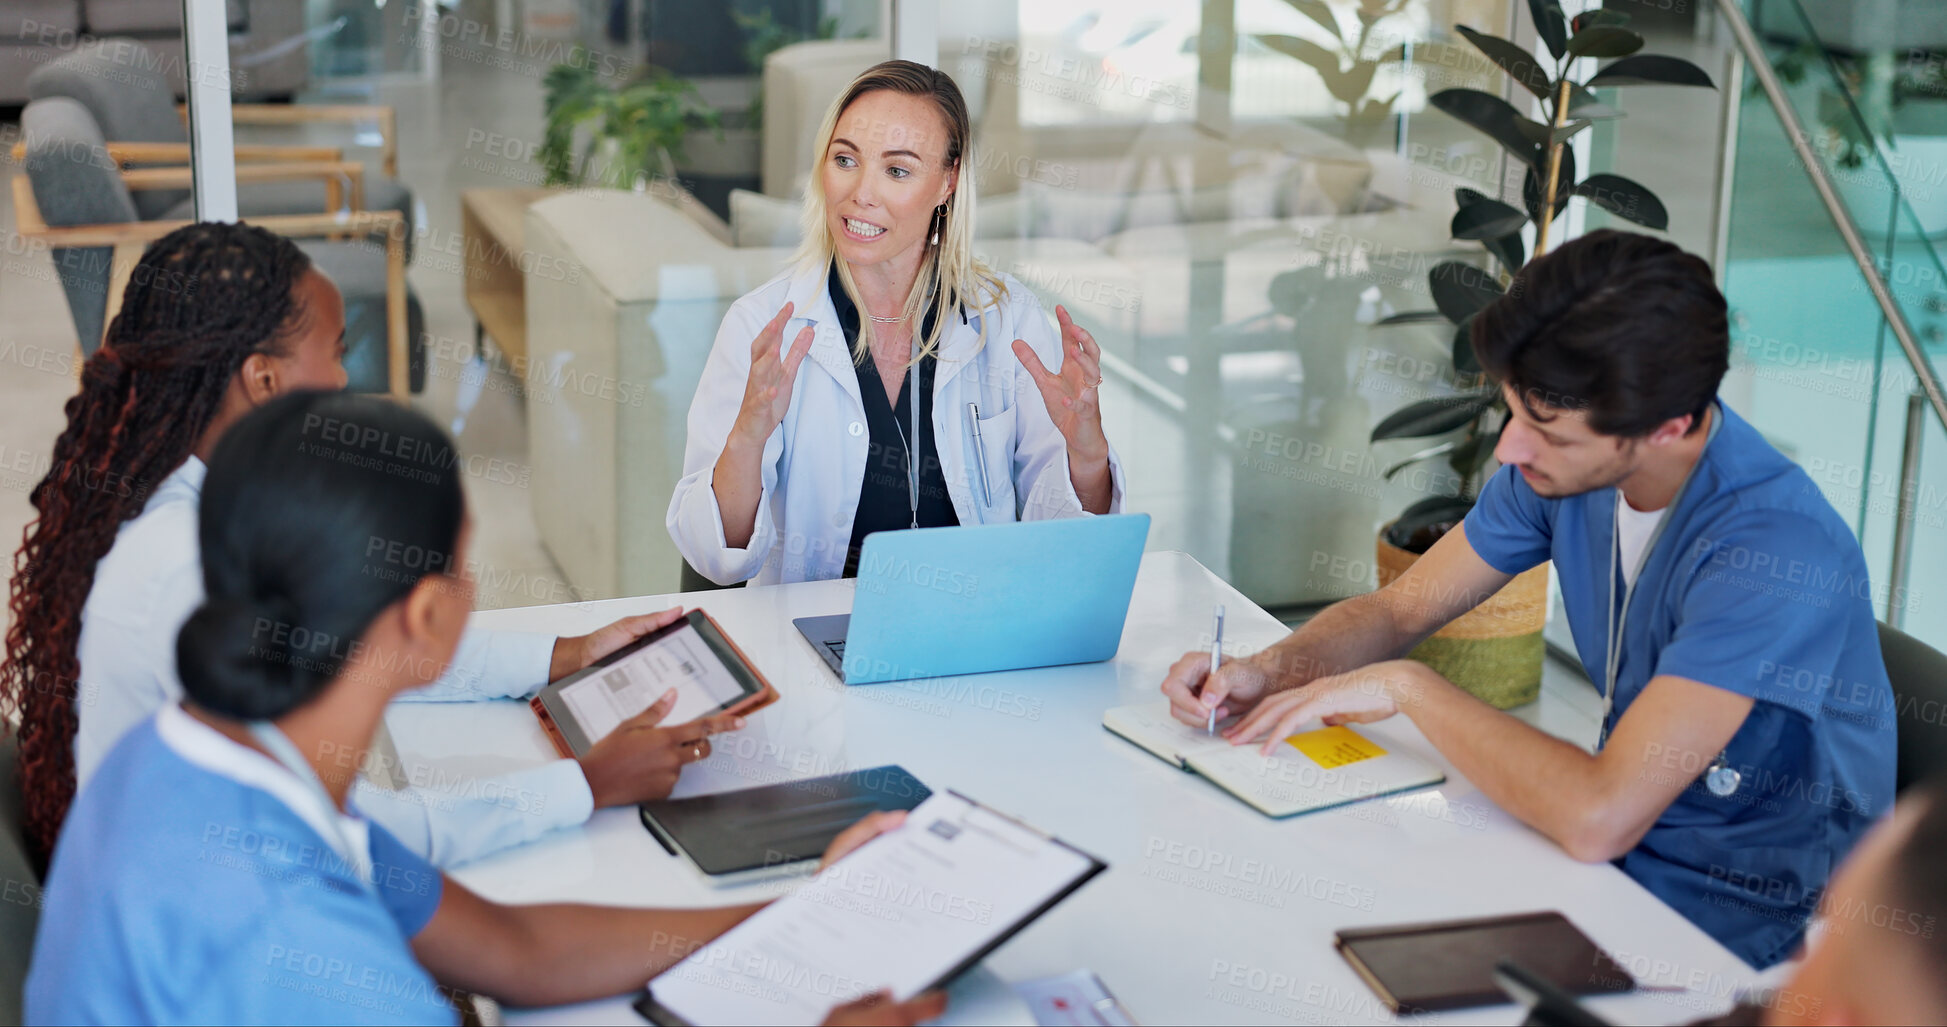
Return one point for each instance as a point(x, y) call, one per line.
point(692, 655)
point(908, 911)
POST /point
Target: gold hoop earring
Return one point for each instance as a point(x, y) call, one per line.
point(939, 219)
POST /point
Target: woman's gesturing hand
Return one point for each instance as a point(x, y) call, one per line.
point(767, 392)
point(1071, 394)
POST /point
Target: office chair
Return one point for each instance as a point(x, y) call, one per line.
point(692, 580)
point(83, 210)
point(1919, 675)
point(20, 886)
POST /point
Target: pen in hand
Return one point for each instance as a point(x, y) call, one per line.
point(1216, 659)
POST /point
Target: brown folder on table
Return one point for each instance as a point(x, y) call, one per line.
point(1450, 964)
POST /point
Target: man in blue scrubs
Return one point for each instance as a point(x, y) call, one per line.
point(1749, 737)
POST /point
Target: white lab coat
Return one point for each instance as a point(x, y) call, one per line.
point(814, 462)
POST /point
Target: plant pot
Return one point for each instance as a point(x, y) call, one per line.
point(1494, 652)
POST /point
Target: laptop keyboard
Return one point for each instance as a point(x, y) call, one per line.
point(837, 648)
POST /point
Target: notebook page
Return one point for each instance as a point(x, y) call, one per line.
point(1150, 725)
point(1314, 770)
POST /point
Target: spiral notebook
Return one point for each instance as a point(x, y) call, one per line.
point(1313, 770)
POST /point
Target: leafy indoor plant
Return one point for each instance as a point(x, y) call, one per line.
point(764, 35)
point(1348, 70)
point(1496, 650)
point(635, 130)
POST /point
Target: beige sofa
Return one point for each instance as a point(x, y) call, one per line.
point(616, 345)
point(800, 81)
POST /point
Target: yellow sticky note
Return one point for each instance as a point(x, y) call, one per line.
point(1334, 747)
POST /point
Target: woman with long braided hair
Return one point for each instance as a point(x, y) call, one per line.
point(214, 316)
point(218, 319)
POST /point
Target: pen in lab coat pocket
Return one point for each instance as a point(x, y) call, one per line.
point(980, 454)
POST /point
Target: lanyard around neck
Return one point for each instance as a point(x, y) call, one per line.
point(283, 751)
point(911, 445)
point(1612, 654)
point(912, 391)
point(912, 448)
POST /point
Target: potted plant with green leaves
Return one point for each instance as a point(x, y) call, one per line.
point(1349, 68)
point(732, 157)
point(635, 130)
point(1496, 650)
point(764, 35)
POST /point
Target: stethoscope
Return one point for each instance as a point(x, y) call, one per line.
point(911, 445)
point(1720, 777)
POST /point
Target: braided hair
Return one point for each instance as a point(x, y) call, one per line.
point(201, 300)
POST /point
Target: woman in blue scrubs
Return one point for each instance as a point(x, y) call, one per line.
point(213, 871)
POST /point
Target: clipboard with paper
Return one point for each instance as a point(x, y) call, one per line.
point(908, 911)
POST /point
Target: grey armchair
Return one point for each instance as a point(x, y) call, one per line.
point(76, 199)
point(267, 55)
point(121, 84)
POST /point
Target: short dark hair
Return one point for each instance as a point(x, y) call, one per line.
point(320, 509)
point(1625, 327)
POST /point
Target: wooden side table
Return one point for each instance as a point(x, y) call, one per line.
point(492, 229)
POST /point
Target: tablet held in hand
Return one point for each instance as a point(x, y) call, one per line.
point(693, 656)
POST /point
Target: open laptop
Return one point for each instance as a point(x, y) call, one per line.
point(938, 601)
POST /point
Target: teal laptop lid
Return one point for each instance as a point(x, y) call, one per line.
point(933, 602)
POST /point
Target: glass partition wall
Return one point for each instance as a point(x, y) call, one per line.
point(1827, 380)
point(1229, 194)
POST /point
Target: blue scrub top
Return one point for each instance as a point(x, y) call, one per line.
point(1756, 586)
point(180, 895)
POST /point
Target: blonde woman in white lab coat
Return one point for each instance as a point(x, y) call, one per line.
point(788, 467)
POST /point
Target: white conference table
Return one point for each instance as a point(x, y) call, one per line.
point(1209, 912)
